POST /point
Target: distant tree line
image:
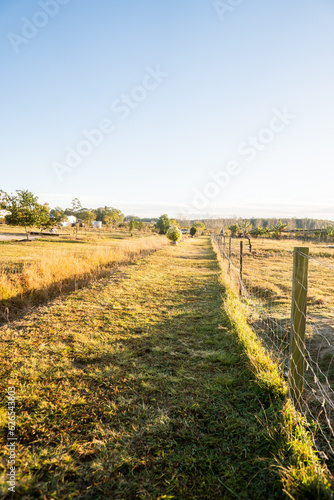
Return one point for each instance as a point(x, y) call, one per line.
point(23, 209)
point(291, 223)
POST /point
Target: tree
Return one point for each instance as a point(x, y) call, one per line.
point(43, 219)
point(87, 216)
point(109, 216)
point(278, 229)
point(163, 224)
point(200, 226)
point(25, 211)
point(76, 206)
point(193, 231)
point(245, 228)
point(259, 231)
point(173, 234)
point(253, 221)
point(234, 229)
point(3, 199)
point(133, 224)
point(56, 216)
point(173, 222)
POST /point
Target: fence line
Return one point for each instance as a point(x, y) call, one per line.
point(295, 326)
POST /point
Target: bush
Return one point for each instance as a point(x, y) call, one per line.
point(193, 231)
point(173, 234)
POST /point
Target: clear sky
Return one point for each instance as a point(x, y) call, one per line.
point(202, 109)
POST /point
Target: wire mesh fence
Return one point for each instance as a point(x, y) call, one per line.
point(289, 298)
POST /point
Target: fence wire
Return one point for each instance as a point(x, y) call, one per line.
point(266, 287)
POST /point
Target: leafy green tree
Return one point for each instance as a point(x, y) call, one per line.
point(328, 230)
point(163, 224)
point(133, 224)
point(325, 231)
point(3, 200)
point(259, 231)
point(200, 226)
point(173, 222)
point(173, 234)
point(193, 231)
point(56, 216)
point(278, 229)
point(109, 216)
point(58, 213)
point(25, 211)
point(44, 220)
point(234, 230)
point(87, 216)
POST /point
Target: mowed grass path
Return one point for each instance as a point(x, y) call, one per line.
point(137, 387)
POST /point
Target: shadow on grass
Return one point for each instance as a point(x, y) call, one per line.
point(170, 408)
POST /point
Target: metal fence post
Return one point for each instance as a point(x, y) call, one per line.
point(241, 262)
point(298, 325)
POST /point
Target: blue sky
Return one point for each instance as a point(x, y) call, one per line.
point(223, 81)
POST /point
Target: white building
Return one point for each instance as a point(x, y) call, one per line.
point(3, 213)
point(97, 224)
point(69, 221)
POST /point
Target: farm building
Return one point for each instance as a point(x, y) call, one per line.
point(69, 221)
point(3, 214)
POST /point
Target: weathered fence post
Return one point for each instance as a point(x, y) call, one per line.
point(229, 255)
point(241, 262)
point(221, 245)
point(298, 325)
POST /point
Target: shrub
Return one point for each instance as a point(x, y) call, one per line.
point(193, 231)
point(173, 234)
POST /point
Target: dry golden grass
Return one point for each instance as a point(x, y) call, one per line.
point(49, 269)
point(267, 298)
point(139, 386)
point(267, 276)
point(267, 272)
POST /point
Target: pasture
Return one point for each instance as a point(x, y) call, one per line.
point(139, 385)
point(267, 295)
point(32, 272)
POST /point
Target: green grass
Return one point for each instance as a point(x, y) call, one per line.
point(303, 475)
point(138, 386)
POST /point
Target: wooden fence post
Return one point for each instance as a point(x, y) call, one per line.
point(241, 262)
point(229, 255)
point(298, 325)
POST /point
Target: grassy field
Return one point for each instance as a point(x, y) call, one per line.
point(267, 275)
point(269, 268)
point(14, 254)
point(139, 386)
point(33, 272)
point(267, 278)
